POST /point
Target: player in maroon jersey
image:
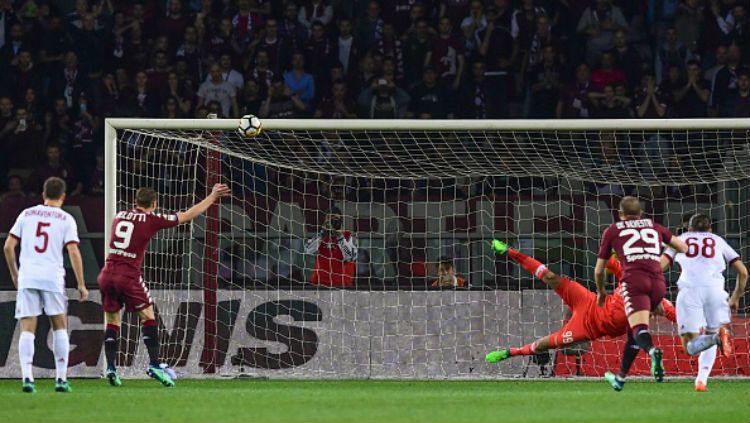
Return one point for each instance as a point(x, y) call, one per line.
point(120, 281)
point(638, 243)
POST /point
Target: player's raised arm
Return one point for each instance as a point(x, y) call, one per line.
point(10, 258)
point(739, 289)
point(218, 191)
point(77, 262)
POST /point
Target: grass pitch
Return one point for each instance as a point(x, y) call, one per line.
point(376, 401)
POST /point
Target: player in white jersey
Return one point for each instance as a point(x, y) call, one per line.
point(43, 232)
point(702, 302)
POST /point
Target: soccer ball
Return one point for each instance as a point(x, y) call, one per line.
point(250, 126)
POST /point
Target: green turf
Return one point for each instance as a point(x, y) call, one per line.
point(208, 401)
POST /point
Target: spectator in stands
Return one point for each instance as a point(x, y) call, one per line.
point(54, 166)
point(290, 29)
point(58, 128)
point(475, 22)
point(688, 22)
point(544, 81)
point(96, 184)
point(383, 100)
point(691, 100)
point(599, 24)
point(346, 50)
point(429, 99)
point(574, 99)
point(219, 90)
point(315, 11)
point(476, 100)
point(417, 45)
point(281, 103)
point(338, 105)
point(299, 82)
point(389, 45)
point(6, 110)
point(176, 90)
point(672, 52)
point(607, 73)
point(13, 45)
point(720, 59)
point(278, 48)
point(447, 277)
point(608, 105)
point(23, 144)
point(725, 83)
point(447, 55)
point(369, 28)
point(23, 77)
point(336, 253)
point(147, 102)
point(251, 99)
point(627, 59)
point(649, 101)
point(261, 73)
point(319, 52)
point(14, 189)
point(742, 101)
point(69, 82)
point(228, 74)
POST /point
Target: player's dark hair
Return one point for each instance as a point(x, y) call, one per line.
point(54, 188)
point(145, 197)
point(630, 206)
point(700, 223)
point(446, 262)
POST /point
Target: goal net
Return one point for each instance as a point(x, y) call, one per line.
point(234, 289)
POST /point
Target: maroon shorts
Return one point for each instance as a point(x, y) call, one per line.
point(642, 292)
point(121, 290)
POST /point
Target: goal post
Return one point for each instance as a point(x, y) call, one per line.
point(233, 291)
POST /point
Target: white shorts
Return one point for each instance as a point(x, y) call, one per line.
point(701, 307)
point(32, 302)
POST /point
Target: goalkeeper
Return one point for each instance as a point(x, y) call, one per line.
point(588, 322)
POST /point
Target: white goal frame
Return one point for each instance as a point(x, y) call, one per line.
point(112, 125)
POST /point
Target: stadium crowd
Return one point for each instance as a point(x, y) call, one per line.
point(68, 64)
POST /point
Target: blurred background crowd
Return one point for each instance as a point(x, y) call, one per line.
point(68, 64)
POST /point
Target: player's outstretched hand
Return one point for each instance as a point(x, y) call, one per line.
point(84, 293)
point(600, 297)
point(220, 190)
point(499, 246)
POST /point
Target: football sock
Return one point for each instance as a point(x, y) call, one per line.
point(111, 339)
point(701, 343)
point(26, 354)
point(531, 264)
point(61, 348)
point(705, 364)
point(643, 337)
point(628, 356)
point(151, 340)
point(528, 349)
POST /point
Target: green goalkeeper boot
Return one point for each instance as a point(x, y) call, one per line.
point(159, 374)
point(499, 246)
point(617, 383)
point(497, 356)
point(113, 378)
point(62, 386)
point(28, 386)
point(657, 364)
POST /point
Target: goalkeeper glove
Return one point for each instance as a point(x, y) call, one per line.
point(499, 246)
